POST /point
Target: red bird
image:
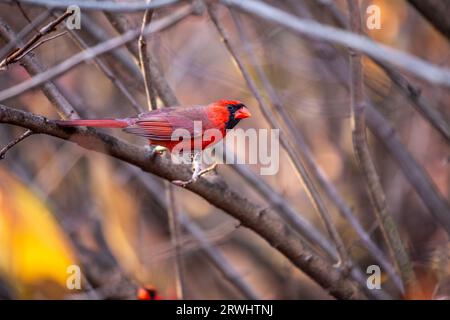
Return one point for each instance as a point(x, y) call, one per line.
point(159, 125)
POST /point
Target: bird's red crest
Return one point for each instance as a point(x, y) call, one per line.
point(225, 103)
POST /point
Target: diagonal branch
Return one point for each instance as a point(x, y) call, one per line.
point(35, 41)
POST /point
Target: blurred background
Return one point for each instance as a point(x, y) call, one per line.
point(62, 205)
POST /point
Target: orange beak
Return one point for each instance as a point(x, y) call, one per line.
point(242, 113)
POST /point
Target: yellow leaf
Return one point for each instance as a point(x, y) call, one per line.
point(32, 247)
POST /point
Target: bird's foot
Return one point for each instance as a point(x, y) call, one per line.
point(194, 177)
point(198, 172)
point(183, 183)
point(209, 169)
point(155, 151)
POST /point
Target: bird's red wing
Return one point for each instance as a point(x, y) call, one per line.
point(153, 130)
point(160, 125)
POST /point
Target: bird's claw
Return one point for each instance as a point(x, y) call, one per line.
point(209, 169)
point(182, 183)
point(194, 177)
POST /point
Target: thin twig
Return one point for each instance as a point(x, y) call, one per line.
point(93, 52)
point(34, 67)
point(309, 187)
point(367, 167)
point(145, 63)
point(412, 170)
point(37, 44)
point(5, 149)
point(24, 32)
point(295, 218)
point(218, 259)
point(34, 42)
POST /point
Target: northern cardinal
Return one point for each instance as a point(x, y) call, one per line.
point(159, 125)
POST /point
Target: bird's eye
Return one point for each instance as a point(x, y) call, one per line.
point(235, 107)
point(232, 108)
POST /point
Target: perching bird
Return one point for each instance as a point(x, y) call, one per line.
point(159, 125)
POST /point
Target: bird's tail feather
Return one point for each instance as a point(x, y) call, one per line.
point(99, 123)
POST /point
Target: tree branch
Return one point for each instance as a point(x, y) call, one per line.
point(263, 221)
